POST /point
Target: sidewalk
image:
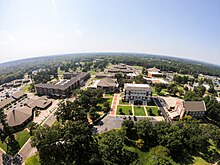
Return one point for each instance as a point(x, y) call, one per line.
point(115, 104)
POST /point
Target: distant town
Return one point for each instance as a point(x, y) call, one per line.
point(148, 101)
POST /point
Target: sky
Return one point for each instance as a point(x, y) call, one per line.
point(180, 28)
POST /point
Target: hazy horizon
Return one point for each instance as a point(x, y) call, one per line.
point(109, 53)
point(185, 29)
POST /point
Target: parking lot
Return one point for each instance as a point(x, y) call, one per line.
point(114, 122)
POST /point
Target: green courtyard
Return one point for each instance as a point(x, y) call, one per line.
point(153, 109)
point(139, 111)
point(125, 110)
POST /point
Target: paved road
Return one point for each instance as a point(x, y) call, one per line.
point(165, 115)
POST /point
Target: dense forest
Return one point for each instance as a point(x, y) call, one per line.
point(14, 70)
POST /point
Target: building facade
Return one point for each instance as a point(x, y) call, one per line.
point(62, 88)
point(196, 109)
point(137, 93)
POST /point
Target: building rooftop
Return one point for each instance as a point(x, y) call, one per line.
point(154, 70)
point(194, 106)
point(107, 82)
point(17, 95)
point(6, 101)
point(40, 103)
point(137, 86)
point(18, 116)
point(64, 84)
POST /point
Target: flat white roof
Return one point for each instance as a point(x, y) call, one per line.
point(154, 72)
point(94, 85)
point(137, 85)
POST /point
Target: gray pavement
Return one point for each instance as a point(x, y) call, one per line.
point(114, 122)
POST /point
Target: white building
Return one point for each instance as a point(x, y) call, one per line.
point(137, 93)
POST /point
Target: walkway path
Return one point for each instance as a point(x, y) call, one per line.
point(132, 106)
point(145, 110)
point(115, 103)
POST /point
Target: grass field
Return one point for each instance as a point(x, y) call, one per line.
point(154, 110)
point(125, 110)
point(34, 160)
point(21, 138)
point(3, 146)
point(199, 161)
point(26, 88)
point(139, 111)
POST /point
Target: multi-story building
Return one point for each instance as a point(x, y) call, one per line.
point(121, 68)
point(137, 93)
point(69, 75)
point(62, 88)
point(196, 109)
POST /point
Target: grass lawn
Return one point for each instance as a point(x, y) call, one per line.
point(139, 111)
point(26, 88)
point(22, 137)
point(109, 95)
point(199, 161)
point(142, 155)
point(3, 146)
point(121, 102)
point(154, 110)
point(34, 160)
point(125, 109)
point(154, 92)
